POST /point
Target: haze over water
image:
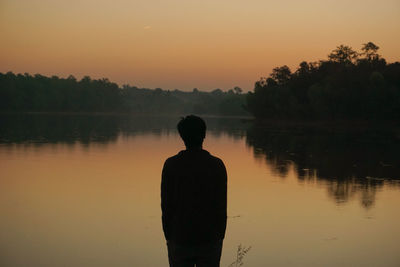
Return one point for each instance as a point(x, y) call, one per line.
point(85, 191)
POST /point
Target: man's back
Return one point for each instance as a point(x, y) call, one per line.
point(193, 198)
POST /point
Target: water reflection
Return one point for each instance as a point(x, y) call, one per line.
point(85, 129)
point(348, 162)
point(70, 129)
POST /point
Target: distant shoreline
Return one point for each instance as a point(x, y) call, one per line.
point(96, 113)
point(259, 122)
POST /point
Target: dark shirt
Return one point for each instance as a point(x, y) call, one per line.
point(193, 198)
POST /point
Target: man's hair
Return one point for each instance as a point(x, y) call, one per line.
point(192, 130)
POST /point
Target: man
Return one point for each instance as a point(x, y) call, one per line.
point(193, 200)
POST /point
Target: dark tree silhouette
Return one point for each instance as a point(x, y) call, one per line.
point(281, 74)
point(349, 85)
point(370, 51)
point(237, 90)
point(343, 54)
point(53, 94)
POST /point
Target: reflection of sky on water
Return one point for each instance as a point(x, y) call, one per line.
point(348, 163)
point(85, 190)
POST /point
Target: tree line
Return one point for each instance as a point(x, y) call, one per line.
point(348, 85)
point(38, 93)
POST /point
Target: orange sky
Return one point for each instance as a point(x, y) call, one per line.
point(184, 44)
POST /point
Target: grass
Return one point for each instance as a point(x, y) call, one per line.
point(240, 254)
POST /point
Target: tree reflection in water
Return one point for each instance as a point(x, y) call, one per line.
point(348, 162)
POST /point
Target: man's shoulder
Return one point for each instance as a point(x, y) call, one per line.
point(184, 154)
point(174, 159)
point(216, 159)
point(171, 159)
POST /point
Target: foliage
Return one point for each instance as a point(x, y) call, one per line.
point(53, 94)
point(349, 85)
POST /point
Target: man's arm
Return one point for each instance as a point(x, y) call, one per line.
point(165, 200)
point(222, 201)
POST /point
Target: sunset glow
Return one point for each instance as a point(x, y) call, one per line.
point(186, 44)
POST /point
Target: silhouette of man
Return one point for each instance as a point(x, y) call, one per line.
point(193, 200)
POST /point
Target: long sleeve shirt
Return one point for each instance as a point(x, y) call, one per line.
point(194, 198)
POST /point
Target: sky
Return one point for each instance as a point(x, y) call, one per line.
point(186, 44)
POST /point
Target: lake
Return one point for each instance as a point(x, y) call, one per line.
point(84, 190)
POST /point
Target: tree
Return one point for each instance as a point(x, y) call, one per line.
point(303, 69)
point(237, 90)
point(71, 77)
point(343, 54)
point(217, 92)
point(86, 79)
point(281, 74)
point(24, 92)
point(342, 87)
point(370, 51)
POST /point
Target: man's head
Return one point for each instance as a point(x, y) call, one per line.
point(192, 130)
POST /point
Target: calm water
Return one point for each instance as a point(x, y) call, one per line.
point(84, 191)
